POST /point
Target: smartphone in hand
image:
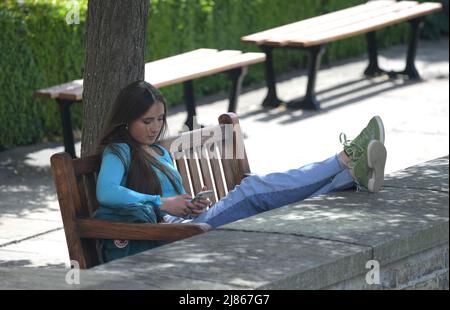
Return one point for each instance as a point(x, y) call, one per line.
point(203, 195)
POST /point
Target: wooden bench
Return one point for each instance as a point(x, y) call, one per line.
point(199, 157)
point(183, 68)
point(314, 33)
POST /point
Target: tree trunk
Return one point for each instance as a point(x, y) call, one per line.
point(115, 50)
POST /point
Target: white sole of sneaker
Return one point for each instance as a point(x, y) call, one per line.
point(381, 125)
point(376, 160)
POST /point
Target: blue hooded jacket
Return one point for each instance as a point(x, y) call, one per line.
point(121, 204)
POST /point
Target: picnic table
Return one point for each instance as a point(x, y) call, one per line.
point(183, 68)
point(314, 33)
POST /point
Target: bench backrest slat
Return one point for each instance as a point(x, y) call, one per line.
point(183, 169)
point(205, 169)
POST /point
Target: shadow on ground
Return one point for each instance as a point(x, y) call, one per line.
point(25, 172)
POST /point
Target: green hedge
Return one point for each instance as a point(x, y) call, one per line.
point(39, 49)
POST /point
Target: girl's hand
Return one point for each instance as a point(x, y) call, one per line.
point(179, 206)
point(200, 206)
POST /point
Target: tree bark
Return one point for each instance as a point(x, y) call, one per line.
point(115, 56)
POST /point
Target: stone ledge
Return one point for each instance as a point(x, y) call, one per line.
point(431, 175)
point(323, 242)
point(244, 260)
point(393, 227)
point(309, 245)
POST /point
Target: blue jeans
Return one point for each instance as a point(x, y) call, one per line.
point(257, 194)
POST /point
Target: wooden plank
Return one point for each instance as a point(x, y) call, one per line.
point(261, 37)
point(75, 94)
point(229, 171)
point(69, 204)
point(206, 62)
point(84, 211)
point(54, 92)
point(217, 173)
point(206, 170)
point(242, 161)
point(191, 157)
point(174, 71)
point(194, 138)
point(90, 182)
point(210, 69)
point(229, 165)
point(183, 170)
point(87, 165)
point(369, 25)
point(91, 228)
point(330, 25)
point(181, 58)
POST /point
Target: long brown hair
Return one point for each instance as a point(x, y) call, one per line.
point(132, 102)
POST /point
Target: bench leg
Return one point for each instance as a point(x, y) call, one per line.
point(237, 77)
point(411, 70)
point(373, 69)
point(66, 120)
point(190, 103)
point(309, 102)
point(272, 100)
point(445, 5)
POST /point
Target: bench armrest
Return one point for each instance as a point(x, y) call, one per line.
point(92, 228)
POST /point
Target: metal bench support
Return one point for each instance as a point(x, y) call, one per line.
point(237, 78)
point(309, 102)
point(271, 100)
point(66, 120)
point(410, 71)
point(189, 98)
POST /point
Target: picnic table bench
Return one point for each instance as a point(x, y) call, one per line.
point(314, 33)
point(183, 68)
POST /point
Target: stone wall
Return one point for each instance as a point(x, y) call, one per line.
point(426, 270)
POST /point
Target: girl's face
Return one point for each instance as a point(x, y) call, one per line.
point(146, 129)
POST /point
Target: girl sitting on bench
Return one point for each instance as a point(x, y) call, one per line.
point(139, 183)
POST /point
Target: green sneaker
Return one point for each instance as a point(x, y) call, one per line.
point(368, 170)
point(367, 156)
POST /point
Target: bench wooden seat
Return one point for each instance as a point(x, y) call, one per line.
point(192, 152)
point(313, 33)
point(169, 71)
point(183, 68)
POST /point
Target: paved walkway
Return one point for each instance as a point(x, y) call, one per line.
point(416, 117)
